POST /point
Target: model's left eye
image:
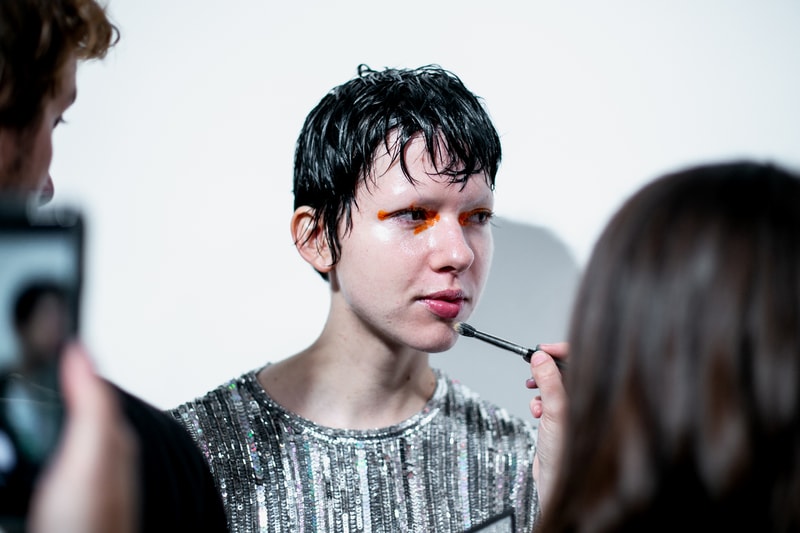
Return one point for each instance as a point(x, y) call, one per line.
point(59, 120)
point(478, 217)
point(410, 214)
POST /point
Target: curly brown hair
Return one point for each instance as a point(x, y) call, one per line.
point(37, 38)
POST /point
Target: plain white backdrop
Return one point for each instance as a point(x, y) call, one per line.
point(180, 145)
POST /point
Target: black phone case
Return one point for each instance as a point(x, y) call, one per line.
point(41, 276)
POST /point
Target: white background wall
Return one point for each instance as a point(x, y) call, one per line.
point(180, 150)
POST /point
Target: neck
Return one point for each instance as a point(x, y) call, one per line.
point(341, 383)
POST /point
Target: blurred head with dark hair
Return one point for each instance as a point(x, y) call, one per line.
point(684, 380)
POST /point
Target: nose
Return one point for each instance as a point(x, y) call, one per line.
point(451, 250)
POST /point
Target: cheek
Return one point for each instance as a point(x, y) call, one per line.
point(381, 234)
point(483, 248)
point(44, 148)
point(392, 246)
point(39, 156)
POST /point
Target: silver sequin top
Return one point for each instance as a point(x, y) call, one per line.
point(457, 463)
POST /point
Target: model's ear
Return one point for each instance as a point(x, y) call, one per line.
point(310, 240)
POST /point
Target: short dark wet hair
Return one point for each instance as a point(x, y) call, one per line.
point(341, 136)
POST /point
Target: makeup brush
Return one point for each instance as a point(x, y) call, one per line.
point(462, 328)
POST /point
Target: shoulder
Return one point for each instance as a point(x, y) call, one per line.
point(230, 391)
point(224, 402)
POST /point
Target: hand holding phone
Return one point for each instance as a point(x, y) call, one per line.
point(98, 452)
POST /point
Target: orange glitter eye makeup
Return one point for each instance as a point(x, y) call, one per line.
point(476, 216)
point(420, 219)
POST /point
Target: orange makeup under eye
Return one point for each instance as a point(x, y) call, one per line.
point(429, 218)
point(423, 219)
point(427, 223)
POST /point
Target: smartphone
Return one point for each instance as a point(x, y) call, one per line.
point(41, 274)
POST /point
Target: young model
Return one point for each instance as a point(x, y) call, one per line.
point(393, 182)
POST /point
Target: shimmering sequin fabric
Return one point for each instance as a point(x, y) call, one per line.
point(452, 466)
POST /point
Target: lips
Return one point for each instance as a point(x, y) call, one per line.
point(445, 304)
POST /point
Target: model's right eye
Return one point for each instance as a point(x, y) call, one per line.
point(417, 218)
point(416, 214)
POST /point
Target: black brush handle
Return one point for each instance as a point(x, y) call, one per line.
point(526, 353)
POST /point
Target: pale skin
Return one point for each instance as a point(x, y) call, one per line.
point(550, 407)
point(415, 261)
point(390, 307)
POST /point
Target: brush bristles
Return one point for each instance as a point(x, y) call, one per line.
point(462, 328)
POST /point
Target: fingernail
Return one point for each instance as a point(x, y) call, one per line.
point(539, 357)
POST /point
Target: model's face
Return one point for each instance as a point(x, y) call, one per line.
point(25, 166)
point(418, 255)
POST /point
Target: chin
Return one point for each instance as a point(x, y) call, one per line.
point(424, 336)
point(437, 342)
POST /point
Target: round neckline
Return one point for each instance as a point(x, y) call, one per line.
point(422, 417)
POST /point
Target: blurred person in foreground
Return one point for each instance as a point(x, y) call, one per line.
point(684, 377)
point(122, 465)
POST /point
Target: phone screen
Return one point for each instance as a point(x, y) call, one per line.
point(40, 285)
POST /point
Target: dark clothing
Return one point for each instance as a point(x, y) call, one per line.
point(178, 490)
point(23, 447)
